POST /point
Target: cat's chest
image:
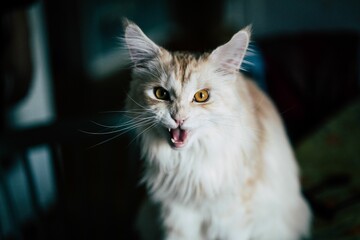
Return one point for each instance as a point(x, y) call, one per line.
point(193, 175)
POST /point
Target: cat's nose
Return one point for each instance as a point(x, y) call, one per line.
point(178, 121)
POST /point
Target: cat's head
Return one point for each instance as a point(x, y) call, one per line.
point(177, 97)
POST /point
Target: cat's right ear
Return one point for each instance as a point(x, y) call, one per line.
point(141, 48)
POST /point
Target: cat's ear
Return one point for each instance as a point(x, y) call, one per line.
point(140, 47)
point(230, 55)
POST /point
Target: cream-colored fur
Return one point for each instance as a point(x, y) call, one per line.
point(235, 176)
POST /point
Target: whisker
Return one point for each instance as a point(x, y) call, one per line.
point(128, 121)
point(287, 109)
point(136, 102)
point(148, 128)
point(137, 124)
point(118, 135)
point(99, 133)
point(135, 121)
point(126, 111)
point(107, 140)
point(115, 131)
point(105, 126)
point(121, 128)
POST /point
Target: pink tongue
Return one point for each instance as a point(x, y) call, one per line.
point(178, 135)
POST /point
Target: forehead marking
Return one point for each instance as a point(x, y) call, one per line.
point(183, 64)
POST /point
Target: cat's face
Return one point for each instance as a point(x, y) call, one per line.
point(178, 98)
point(187, 99)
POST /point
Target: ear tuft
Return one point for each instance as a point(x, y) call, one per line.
point(230, 55)
point(140, 47)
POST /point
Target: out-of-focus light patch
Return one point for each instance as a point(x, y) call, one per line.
point(37, 107)
point(41, 166)
point(18, 186)
point(105, 64)
point(101, 27)
point(6, 226)
point(19, 191)
point(108, 63)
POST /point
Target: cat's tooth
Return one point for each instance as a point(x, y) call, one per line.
point(172, 140)
point(169, 129)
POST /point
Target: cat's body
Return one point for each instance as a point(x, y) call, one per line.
point(217, 159)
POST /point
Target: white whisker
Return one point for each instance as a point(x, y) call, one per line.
point(126, 111)
point(124, 129)
point(136, 102)
point(107, 140)
point(105, 126)
point(147, 129)
point(122, 132)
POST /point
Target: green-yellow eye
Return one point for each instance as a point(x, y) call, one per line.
point(161, 93)
point(201, 96)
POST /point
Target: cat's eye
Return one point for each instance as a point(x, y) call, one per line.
point(202, 96)
point(161, 93)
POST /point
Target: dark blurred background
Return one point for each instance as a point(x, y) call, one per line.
point(62, 73)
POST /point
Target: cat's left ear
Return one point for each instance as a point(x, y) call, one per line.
point(230, 55)
point(140, 47)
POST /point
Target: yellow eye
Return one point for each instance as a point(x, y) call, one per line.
point(161, 93)
point(201, 96)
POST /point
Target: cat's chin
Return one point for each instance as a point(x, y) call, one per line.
point(178, 137)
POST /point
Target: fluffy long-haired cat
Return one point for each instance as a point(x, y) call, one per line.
point(217, 159)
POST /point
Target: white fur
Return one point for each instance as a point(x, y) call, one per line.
point(204, 190)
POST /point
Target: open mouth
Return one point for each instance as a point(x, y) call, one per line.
point(178, 137)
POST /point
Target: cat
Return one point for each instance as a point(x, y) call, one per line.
point(217, 159)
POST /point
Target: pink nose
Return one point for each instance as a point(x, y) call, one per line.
point(179, 121)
